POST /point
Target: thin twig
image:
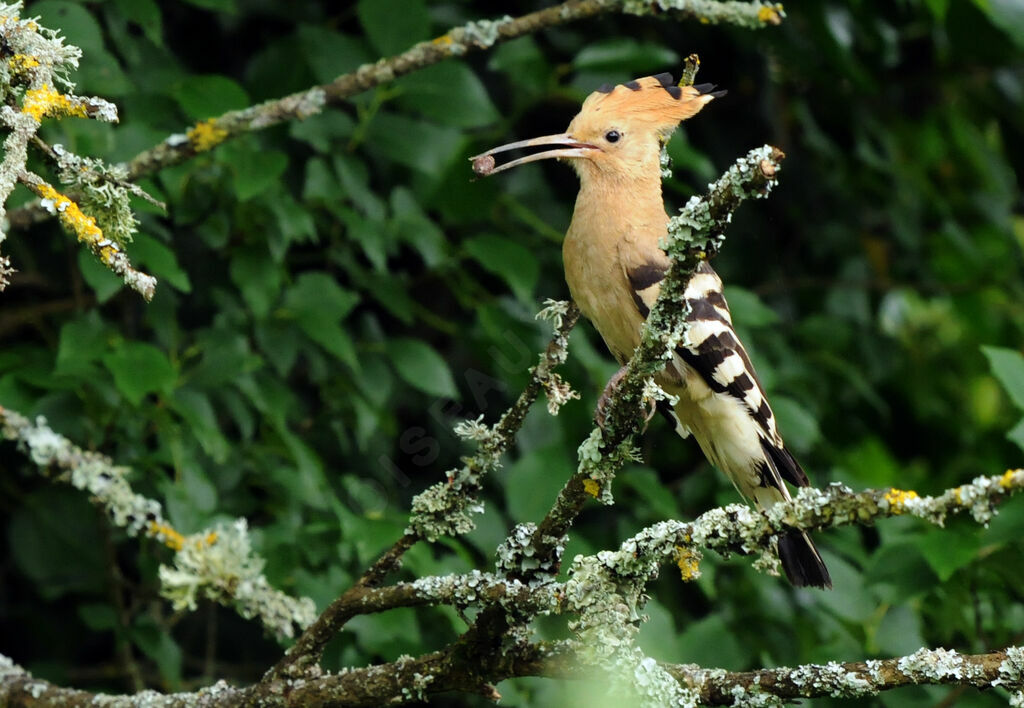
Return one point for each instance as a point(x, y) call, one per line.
point(115, 582)
point(305, 653)
point(458, 41)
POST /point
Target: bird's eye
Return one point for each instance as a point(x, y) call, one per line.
point(612, 136)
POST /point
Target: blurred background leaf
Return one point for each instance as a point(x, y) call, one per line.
point(336, 293)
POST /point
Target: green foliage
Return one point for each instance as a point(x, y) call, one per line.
point(335, 293)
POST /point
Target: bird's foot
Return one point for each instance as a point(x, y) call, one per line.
point(601, 412)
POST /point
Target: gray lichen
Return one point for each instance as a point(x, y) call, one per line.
point(36, 62)
point(448, 507)
point(216, 563)
point(750, 15)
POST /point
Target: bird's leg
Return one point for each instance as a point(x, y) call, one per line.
point(601, 412)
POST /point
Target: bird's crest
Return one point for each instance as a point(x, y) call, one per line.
point(653, 100)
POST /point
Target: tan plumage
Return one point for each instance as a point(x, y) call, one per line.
point(614, 265)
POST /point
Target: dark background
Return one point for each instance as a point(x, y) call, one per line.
point(334, 294)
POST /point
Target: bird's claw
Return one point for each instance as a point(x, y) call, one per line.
point(601, 411)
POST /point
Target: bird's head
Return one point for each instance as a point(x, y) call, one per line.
point(618, 132)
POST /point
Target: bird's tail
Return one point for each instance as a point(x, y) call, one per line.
point(801, 561)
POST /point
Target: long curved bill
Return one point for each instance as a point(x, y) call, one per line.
point(484, 163)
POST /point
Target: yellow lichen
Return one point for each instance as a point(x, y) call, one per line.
point(1006, 481)
point(20, 63)
point(958, 496)
point(176, 541)
point(688, 563)
point(443, 39)
point(82, 225)
point(898, 498)
point(170, 538)
point(770, 14)
point(591, 487)
point(206, 134)
point(47, 101)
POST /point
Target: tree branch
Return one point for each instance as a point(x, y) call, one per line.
point(456, 42)
point(215, 563)
point(409, 680)
point(445, 508)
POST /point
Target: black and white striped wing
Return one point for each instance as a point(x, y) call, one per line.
point(713, 350)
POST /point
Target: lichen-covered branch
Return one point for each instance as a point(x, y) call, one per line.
point(414, 679)
point(85, 229)
point(448, 506)
point(458, 41)
point(35, 62)
point(603, 596)
point(217, 564)
point(857, 679)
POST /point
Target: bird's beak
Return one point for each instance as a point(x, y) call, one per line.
point(483, 164)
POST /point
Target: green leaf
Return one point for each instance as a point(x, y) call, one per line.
point(146, 15)
point(258, 277)
point(1016, 435)
point(160, 261)
point(140, 369)
point(949, 549)
point(226, 355)
point(199, 490)
point(899, 632)
point(523, 61)
point(421, 367)
point(938, 8)
point(279, 342)
point(157, 643)
point(97, 616)
point(102, 74)
point(103, 283)
point(872, 463)
point(422, 146)
point(416, 228)
point(55, 541)
point(651, 491)
point(394, 25)
point(253, 170)
point(320, 184)
point(329, 53)
point(1008, 366)
point(448, 93)
point(512, 262)
point(318, 305)
point(355, 180)
point(209, 95)
point(533, 481)
point(899, 572)
point(625, 54)
point(710, 642)
point(76, 23)
point(82, 341)
point(195, 408)
point(294, 222)
point(796, 424)
point(227, 6)
point(1007, 15)
point(747, 308)
point(322, 130)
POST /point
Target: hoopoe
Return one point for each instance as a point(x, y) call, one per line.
point(614, 266)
